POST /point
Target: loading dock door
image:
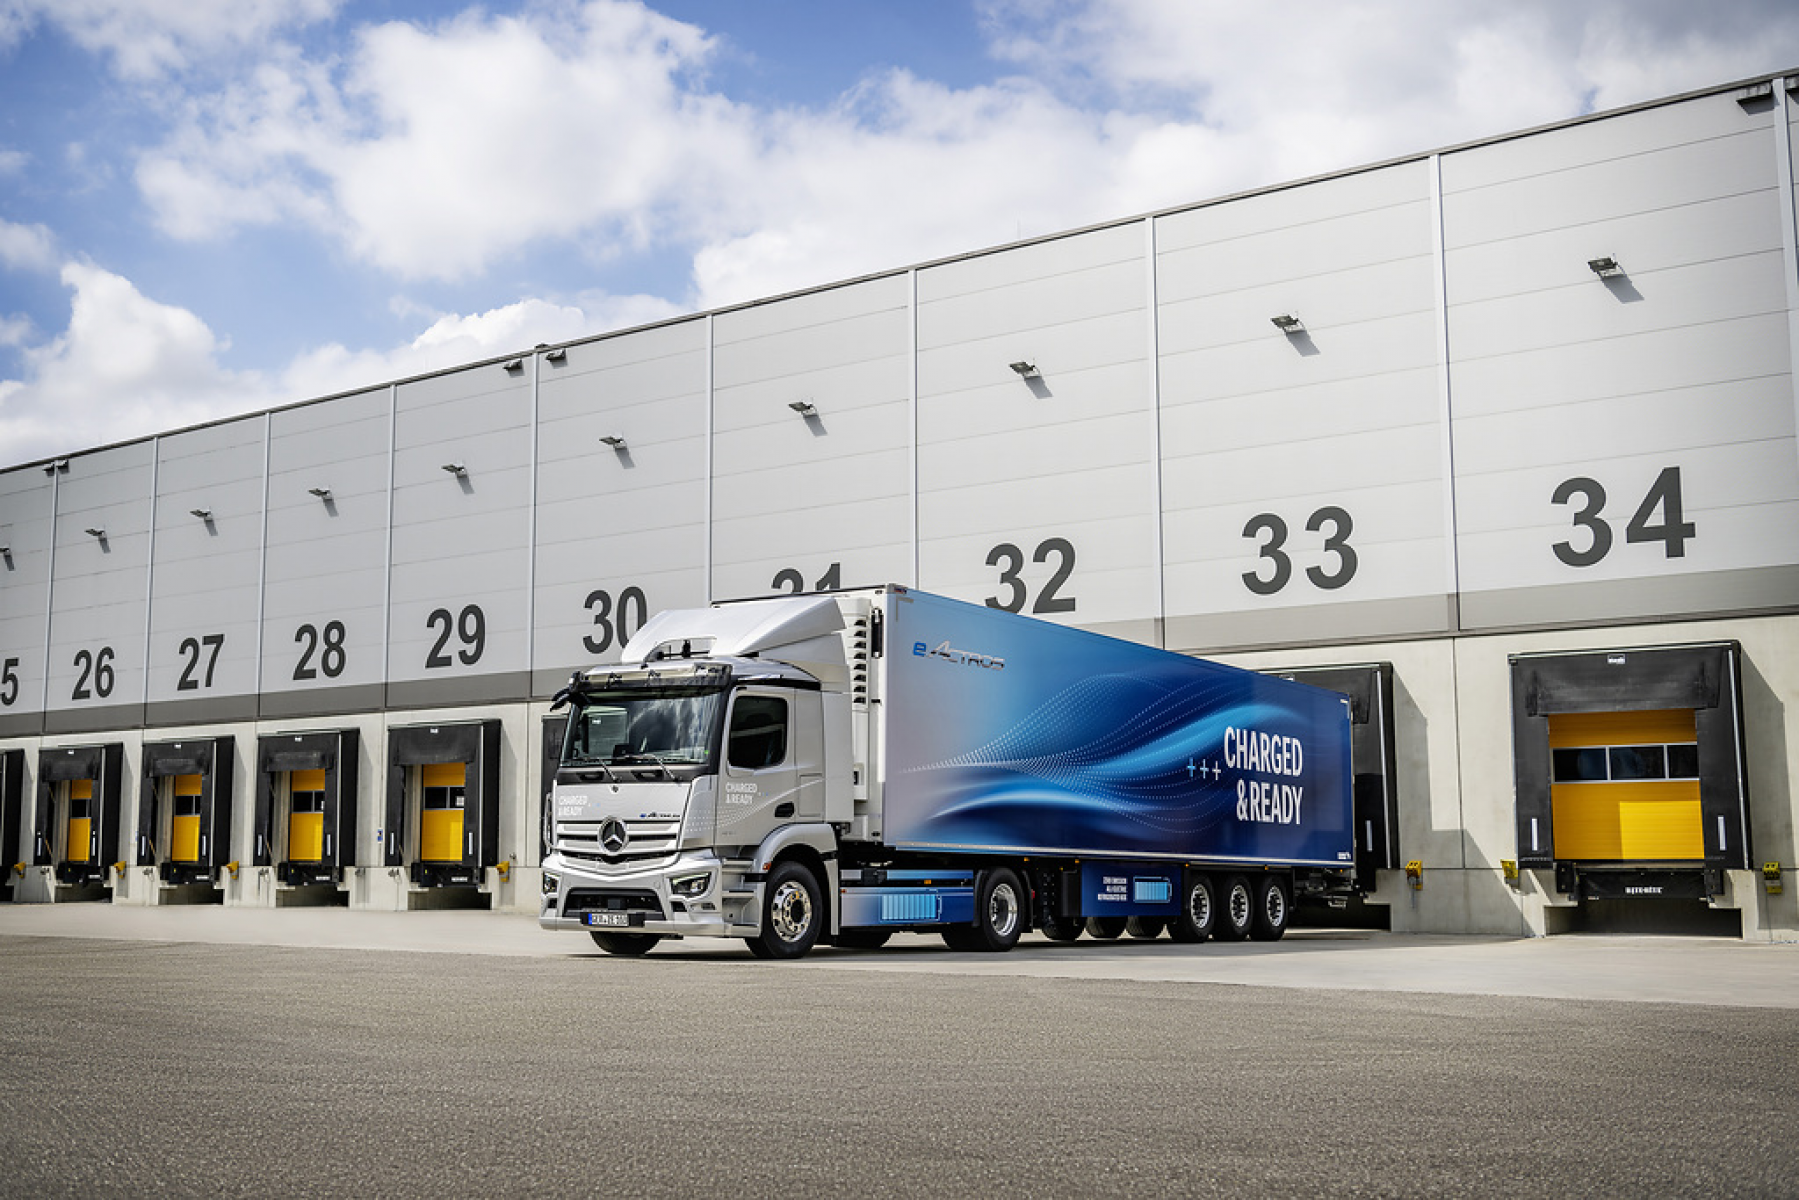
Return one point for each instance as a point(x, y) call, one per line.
point(12, 814)
point(193, 777)
point(306, 804)
point(554, 730)
point(1372, 759)
point(306, 816)
point(1625, 786)
point(1607, 769)
point(184, 840)
point(78, 824)
point(100, 771)
point(455, 770)
point(443, 805)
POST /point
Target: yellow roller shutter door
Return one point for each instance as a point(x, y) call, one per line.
point(440, 825)
point(1638, 814)
point(306, 816)
point(185, 836)
point(81, 825)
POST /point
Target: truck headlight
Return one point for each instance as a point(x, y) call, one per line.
point(550, 884)
point(691, 887)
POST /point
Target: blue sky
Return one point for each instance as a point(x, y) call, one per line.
point(213, 206)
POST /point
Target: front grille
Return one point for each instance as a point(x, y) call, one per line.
point(586, 900)
point(642, 838)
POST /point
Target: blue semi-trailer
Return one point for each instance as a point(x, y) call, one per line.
point(836, 767)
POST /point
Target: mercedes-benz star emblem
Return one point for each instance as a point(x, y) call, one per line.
point(612, 835)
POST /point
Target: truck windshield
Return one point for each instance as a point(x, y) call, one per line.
point(670, 727)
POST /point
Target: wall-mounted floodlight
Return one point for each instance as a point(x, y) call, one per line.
point(205, 514)
point(1606, 267)
point(323, 493)
point(804, 408)
point(1288, 323)
point(557, 355)
point(513, 364)
point(96, 531)
point(456, 469)
point(616, 441)
point(1026, 370)
point(61, 464)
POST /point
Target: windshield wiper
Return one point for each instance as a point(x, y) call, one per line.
point(583, 763)
point(640, 755)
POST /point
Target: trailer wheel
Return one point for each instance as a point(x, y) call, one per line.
point(999, 901)
point(792, 914)
point(1061, 929)
point(625, 945)
point(1236, 909)
point(1199, 916)
point(1105, 928)
point(1274, 908)
point(863, 939)
point(1146, 929)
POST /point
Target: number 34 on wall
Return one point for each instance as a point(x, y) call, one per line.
point(1663, 498)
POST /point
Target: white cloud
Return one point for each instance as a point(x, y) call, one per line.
point(128, 366)
point(441, 149)
point(125, 366)
point(12, 162)
point(146, 38)
point(435, 152)
point(27, 247)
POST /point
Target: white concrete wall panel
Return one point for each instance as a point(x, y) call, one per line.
point(101, 586)
point(324, 601)
point(27, 526)
point(1039, 494)
point(1303, 474)
point(461, 546)
point(1624, 446)
point(205, 590)
point(618, 531)
point(823, 498)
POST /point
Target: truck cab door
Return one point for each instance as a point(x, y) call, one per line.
point(760, 779)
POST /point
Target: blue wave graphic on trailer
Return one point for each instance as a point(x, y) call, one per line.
point(1034, 737)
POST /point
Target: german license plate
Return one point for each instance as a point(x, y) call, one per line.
point(608, 918)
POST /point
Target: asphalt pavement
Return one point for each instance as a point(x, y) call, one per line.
point(188, 1052)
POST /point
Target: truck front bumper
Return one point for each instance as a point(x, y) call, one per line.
point(690, 895)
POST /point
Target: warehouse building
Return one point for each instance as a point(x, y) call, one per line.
point(1499, 440)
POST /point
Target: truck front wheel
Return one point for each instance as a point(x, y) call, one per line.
point(1274, 908)
point(1236, 909)
point(792, 914)
point(1199, 916)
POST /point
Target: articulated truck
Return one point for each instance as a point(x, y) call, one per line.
point(835, 767)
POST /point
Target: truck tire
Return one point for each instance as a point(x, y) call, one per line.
point(1061, 929)
point(863, 939)
point(1199, 915)
point(1236, 909)
point(999, 906)
point(1146, 929)
point(625, 945)
point(792, 912)
point(1105, 928)
point(1274, 908)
